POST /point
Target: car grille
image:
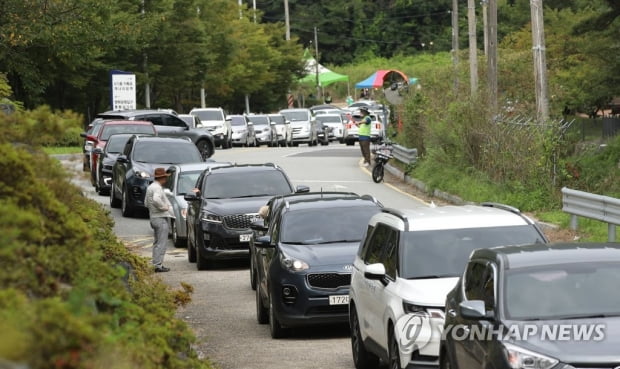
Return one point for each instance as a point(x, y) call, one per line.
point(240, 221)
point(296, 129)
point(329, 280)
point(220, 243)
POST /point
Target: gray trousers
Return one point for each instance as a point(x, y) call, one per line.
point(160, 241)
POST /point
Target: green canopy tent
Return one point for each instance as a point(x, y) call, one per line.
point(326, 76)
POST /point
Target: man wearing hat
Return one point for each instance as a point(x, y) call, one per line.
point(160, 210)
point(364, 134)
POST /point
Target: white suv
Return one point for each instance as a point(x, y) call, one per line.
point(407, 263)
point(216, 121)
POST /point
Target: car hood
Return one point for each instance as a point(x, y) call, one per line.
point(427, 291)
point(582, 351)
point(211, 123)
point(236, 206)
point(336, 254)
point(300, 123)
point(238, 129)
point(110, 158)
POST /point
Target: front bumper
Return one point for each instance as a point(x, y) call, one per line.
point(223, 243)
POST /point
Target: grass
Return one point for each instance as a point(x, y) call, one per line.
point(56, 150)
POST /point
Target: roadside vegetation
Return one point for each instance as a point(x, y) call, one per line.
point(71, 294)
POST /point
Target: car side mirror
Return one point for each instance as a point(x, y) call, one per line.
point(258, 225)
point(83, 134)
point(98, 150)
point(473, 309)
point(121, 159)
point(302, 189)
point(263, 242)
point(250, 124)
point(287, 122)
point(190, 196)
point(375, 272)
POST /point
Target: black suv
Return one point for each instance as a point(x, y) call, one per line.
point(305, 259)
point(133, 170)
point(168, 125)
point(535, 306)
point(220, 214)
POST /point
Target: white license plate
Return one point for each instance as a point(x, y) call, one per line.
point(245, 237)
point(339, 300)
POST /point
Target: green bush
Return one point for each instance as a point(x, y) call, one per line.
point(72, 295)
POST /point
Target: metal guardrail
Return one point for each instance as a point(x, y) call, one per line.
point(405, 155)
point(588, 205)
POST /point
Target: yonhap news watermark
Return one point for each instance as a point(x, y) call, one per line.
point(417, 329)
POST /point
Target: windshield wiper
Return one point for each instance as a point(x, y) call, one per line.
point(257, 195)
point(336, 241)
point(592, 316)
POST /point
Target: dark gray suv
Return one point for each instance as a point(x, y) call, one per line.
point(168, 125)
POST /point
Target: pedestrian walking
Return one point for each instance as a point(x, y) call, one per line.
point(363, 134)
point(160, 210)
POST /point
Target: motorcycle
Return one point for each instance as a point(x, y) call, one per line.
point(383, 153)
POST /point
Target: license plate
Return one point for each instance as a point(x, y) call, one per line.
point(339, 300)
point(245, 237)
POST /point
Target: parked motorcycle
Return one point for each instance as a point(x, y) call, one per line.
point(383, 153)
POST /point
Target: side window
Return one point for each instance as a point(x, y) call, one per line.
point(127, 148)
point(275, 229)
point(480, 283)
point(153, 118)
point(377, 242)
point(390, 255)
point(172, 121)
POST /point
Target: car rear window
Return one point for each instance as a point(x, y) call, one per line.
point(109, 130)
point(279, 119)
point(237, 121)
point(209, 114)
point(444, 253)
point(259, 120)
point(295, 116)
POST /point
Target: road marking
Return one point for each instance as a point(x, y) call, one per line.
point(365, 169)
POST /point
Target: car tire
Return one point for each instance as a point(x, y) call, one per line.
point(205, 148)
point(178, 242)
point(262, 313)
point(126, 208)
point(361, 358)
point(114, 202)
point(349, 142)
point(393, 354)
point(202, 263)
point(252, 273)
point(275, 328)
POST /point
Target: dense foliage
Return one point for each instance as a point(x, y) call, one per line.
point(71, 294)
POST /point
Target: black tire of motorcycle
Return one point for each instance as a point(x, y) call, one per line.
point(377, 173)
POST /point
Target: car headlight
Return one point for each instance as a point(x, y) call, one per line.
point(520, 358)
point(142, 174)
point(212, 218)
point(292, 264)
point(219, 130)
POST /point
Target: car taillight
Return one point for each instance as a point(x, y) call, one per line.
point(378, 125)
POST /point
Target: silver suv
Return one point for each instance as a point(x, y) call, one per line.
point(216, 121)
point(407, 263)
point(303, 126)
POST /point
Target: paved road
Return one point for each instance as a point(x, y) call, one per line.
point(222, 311)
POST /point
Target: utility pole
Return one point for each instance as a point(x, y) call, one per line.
point(540, 64)
point(473, 47)
point(254, 8)
point(455, 43)
point(485, 21)
point(145, 61)
point(316, 53)
point(492, 57)
point(287, 21)
point(247, 97)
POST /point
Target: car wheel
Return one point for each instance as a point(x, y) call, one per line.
point(275, 328)
point(252, 273)
point(295, 144)
point(349, 142)
point(178, 242)
point(394, 357)
point(114, 202)
point(201, 262)
point(206, 150)
point(126, 207)
point(262, 314)
point(191, 250)
point(361, 358)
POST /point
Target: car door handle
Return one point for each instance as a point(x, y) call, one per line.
point(452, 313)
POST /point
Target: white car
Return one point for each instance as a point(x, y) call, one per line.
point(335, 122)
point(407, 263)
point(351, 129)
point(303, 125)
point(283, 129)
point(216, 121)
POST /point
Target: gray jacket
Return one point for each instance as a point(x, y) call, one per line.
point(156, 201)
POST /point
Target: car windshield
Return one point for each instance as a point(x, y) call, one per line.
point(209, 114)
point(565, 291)
point(116, 143)
point(279, 119)
point(246, 184)
point(328, 119)
point(237, 121)
point(168, 153)
point(326, 225)
point(294, 116)
point(444, 253)
point(258, 121)
point(109, 130)
point(187, 181)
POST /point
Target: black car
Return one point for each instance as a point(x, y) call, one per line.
point(324, 133)
point(133, 170)
point(220, 214)
point(305, 259)
point(551, 306)
point(106, 158)
point(168, 124)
